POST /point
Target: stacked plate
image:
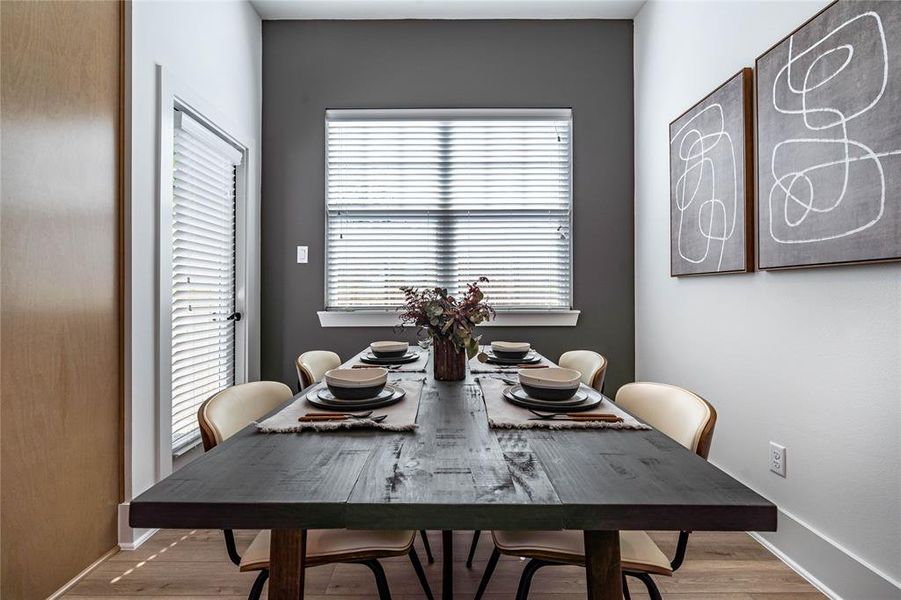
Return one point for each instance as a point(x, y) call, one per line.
point(512, 353)
point(355, 389)
point(552, 390)
point(390, 353)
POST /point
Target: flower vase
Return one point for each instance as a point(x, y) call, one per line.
point(449, 361)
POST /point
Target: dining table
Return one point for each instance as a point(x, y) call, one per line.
point(452, 472)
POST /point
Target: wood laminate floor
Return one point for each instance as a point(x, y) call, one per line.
point(183, 565)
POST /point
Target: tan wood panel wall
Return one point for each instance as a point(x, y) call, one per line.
point(59, 295)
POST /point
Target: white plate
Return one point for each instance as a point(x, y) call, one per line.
point(583, 400)
point(323, 398)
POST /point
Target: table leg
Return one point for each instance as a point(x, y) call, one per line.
point(447, 562)
point(287, 558)
point(603, 571)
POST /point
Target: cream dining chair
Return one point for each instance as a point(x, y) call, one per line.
point(312, 365)
point(231, 410)
point(590, 364)
point(593, 367)
point(680, 414)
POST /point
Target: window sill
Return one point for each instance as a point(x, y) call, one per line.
point(384, 318)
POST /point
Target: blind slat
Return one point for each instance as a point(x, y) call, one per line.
point(441, 199)
point(203, 276)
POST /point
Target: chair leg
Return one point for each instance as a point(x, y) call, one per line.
point(626, 594)
point(420, 574)
point(525, 581)
point(230, 547)
point(257, 590)
point(381, 582)
point(472, 547)
point(648, 582)
point(489, 571)
point(427, 546)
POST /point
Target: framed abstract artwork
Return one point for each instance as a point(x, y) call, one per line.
point(829, 140)
point(712, 183)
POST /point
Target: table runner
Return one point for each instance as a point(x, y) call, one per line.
point(476, 366)
point(417, 366)
point(504, 415)
point(401, 416)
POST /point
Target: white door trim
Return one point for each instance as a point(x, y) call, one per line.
point(173, 94)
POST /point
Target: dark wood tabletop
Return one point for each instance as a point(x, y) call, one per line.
point(453, 472)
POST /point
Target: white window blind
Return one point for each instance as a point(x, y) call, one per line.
point(439, 198)
point(203, 273)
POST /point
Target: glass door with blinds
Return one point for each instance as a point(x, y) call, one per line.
point(442, 197)
point(203, 277)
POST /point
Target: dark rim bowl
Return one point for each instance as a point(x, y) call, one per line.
point(355, 393)
point(394, 354)
point(510, 355)
point(540, 393)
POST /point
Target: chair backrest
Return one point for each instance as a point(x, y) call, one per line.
point(234, 408)
point(312, 365)
point(590, 364)
point(682, 415)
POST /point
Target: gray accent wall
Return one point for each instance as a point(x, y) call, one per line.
point(310, 66)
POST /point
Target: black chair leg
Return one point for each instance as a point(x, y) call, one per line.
point(230, 547)
point(489, 571)
point(648, 582)
point(420, 574)
point(472, 547)
point(525, 581)
point(257, 590)
point(425, 544)
point(381, 582)
point(626, 594)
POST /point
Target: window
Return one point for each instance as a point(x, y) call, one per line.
point(203, 273)
point(439, 198)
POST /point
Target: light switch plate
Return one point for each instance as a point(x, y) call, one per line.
point(302, 254)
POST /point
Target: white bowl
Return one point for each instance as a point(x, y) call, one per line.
point(389, 349)
point(355, 384)
point(511, 346)
point(553, 383)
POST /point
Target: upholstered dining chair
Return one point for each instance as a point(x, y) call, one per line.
point(680, 414)
point(593, 367)
point(590, 364)
point(312, 365)
point(230, 410)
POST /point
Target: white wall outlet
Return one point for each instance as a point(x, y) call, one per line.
point(777, 459)
point(303, 254)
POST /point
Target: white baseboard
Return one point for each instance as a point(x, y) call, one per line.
point(129, 537)
point(827, 565)
point(71, 583)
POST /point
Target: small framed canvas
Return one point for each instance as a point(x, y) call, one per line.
point(829, 140)
point(712, 183)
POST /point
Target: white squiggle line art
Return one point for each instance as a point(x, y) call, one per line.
point(796, 188)
point(696, 161)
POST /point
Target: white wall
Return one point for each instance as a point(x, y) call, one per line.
point(808, 358)
point(215, 49)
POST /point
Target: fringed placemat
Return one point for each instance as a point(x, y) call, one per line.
point(504, 415)
point(401, 416)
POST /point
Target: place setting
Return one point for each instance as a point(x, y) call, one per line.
point(393, 355)
point(503, 356)
point(550, 397)
point(351, 399)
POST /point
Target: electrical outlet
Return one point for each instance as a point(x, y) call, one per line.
point(777, 459)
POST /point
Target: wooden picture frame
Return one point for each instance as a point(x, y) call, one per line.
point(828, 151)
point(712, 182)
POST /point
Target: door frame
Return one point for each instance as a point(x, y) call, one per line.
point(175, 95)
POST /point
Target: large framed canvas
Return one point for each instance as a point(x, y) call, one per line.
point(712, 183)
point(829, 140)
